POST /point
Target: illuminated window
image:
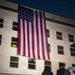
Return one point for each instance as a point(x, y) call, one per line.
point(59, 35)
point(1, 23)
point(71, 38)
point(14, 61)
point(31, 63)
point(60, 49)
point(14, 42)
point(0, 39)
point(15, 26)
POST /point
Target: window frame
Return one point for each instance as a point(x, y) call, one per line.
point(59, 35)
point(31, 64)
point(0, 39)
point(15, 63)
point(60, 64)
point(60, 49)
point(14, 42)
point(47, 63)
point(1, 22)
point(15, 26)
point(48, 32)
point(72, 51)
point(73, 65)
point(48, 47)
point(71, 37)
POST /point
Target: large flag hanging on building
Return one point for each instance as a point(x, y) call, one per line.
point(32, 36)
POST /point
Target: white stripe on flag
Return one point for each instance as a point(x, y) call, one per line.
point(39, 31)
point(21, 39)
point(44, 37)
point(30, 39)
point(35, 37)
point(26, 40)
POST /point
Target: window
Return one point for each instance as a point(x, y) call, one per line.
point(14, 61)
point(1, 23)
point(61, 64)
point(73, 65)
point(47, 33)
point(0, 39)
point(60, 49)
point(14, 42)
point(15, 26)
point(49, 47)
point(71, 38)
point(72, 51)
point(59, 35)
point(47, 63)
point(31, 63)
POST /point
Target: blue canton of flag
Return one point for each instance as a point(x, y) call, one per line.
point(25, 13)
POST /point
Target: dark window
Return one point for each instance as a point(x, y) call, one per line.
point(60, 49)
point(73, 65)
point(0, 39)
point(1, 23)
point(72, 51)
point(49, 47)
point(47, 33)
point(47, 63)
point(14, 62)
point(60, 64)
point(59, 35)
point(31, 63)
point(14, 42)
point(15, 26)
point(71, 38)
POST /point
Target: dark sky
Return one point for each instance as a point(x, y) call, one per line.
point(64, 8)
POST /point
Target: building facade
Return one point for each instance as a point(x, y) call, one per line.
point(60, 32)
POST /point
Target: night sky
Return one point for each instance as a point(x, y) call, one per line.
point(64, 8)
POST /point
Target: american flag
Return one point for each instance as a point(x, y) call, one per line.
point(32, 38)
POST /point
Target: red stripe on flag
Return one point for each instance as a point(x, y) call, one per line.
point(38, 52)
point(24, 39)
point(28, 39)
point(33, 40)
point(18, 51)
point(42, 36)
